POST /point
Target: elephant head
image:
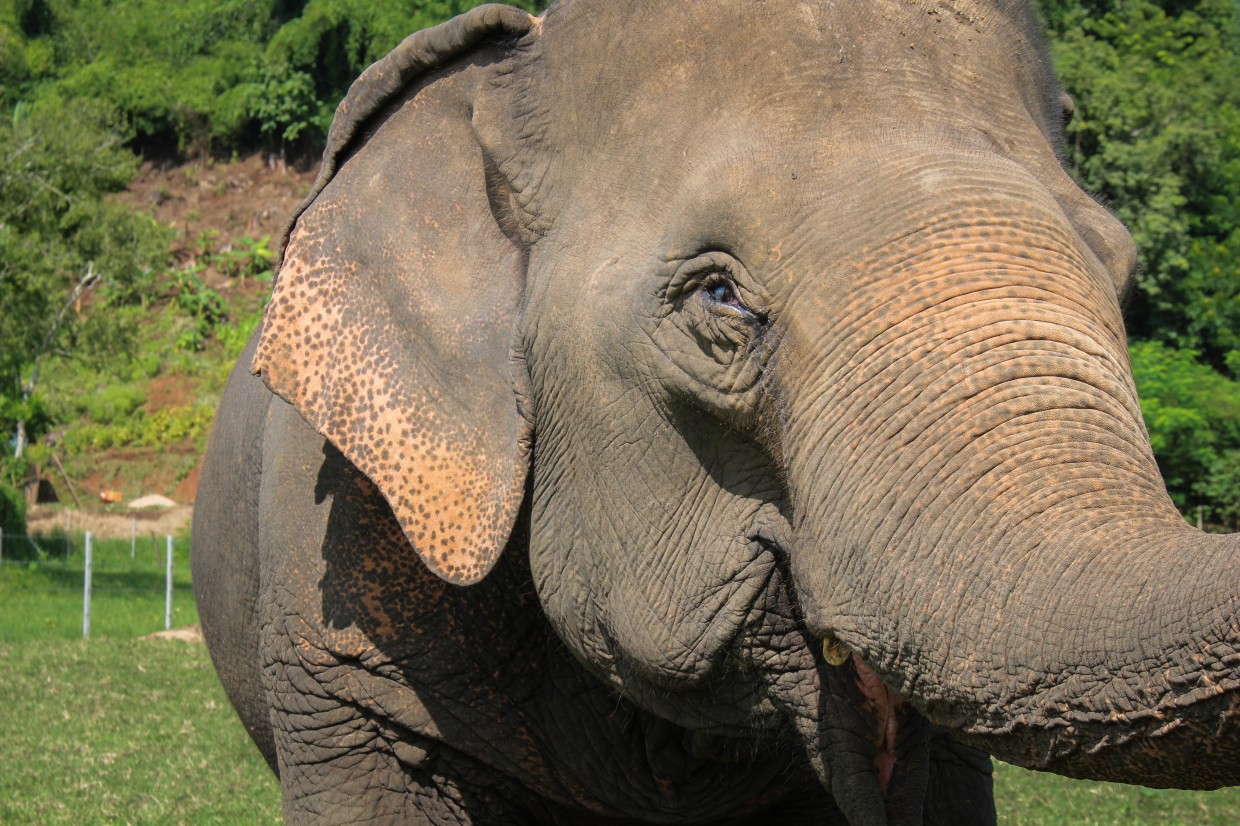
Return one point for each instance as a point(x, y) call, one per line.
point(805, 355)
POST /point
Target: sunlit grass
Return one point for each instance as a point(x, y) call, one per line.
point(41, 597)
point(124, 731)
point(1026, 798)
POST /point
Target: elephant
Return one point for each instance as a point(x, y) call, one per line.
point(705, 412)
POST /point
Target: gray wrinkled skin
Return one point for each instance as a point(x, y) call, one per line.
point(711, 412)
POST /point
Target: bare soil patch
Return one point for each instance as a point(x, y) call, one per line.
point(190, 633)
point(109, 525)
point(170, 470)
point(246, 196)
point(170, 390)
point(214, 204)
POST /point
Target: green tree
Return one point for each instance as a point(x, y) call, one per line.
point(206, 75)
point(1222, 488)
point(70, 259)
point(1157, 138)
point(313, 58)
point(1192, 414)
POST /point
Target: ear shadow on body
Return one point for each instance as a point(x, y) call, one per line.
point(458, 667)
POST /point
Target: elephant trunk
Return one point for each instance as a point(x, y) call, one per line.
point(1114, 655)
point(979, 517)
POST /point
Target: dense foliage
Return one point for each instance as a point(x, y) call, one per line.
point(206, 75)
point(89, 86)
point(1193, 416)
point(1156, 137)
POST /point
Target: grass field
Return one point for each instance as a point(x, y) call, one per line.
point(121, 729)
point(1026, 798)
point(115, 729)
point(124, 731)
point(42, 594)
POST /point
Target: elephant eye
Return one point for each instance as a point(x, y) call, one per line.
point(723, 293)
point(720, 286)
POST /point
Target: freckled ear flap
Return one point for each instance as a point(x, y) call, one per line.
point(392, 322)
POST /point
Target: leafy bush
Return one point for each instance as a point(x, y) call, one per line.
point(207, 74)
point(201, 304)
point(169, 67)
point(117, 401)
point(12, 500)
point(235, 336)
point(60, 238)
point(246, 257)
point(34, 411)
point(1157, 137)
point(1222, 488)
point(174, 424)
point(163, 427)
point(1192, 414)
point(284, 104)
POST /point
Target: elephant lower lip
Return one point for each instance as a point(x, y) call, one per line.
point(884, 706)
point(881, 704)
point(870, 748)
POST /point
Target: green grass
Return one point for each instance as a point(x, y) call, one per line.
point(41, 598)
point(125, 730)
point(115, 729)
point(1026, 798)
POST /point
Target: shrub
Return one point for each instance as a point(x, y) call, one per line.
point(12, 500)
point(1192, 414)
point(163, 427)
point(113, 402)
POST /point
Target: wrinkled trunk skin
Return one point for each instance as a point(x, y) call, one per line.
point(979, 514)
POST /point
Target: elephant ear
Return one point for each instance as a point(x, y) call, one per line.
point(393, 317)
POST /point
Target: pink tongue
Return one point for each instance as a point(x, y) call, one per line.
point(883, 703)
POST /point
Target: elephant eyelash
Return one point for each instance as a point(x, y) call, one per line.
point(714, 279)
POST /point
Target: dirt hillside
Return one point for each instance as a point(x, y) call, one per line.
point(212, 206)
point(215, 204)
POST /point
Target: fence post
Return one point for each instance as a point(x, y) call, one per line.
point(86, 592)
point(168, 590)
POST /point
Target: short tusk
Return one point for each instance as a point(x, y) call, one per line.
point(834, 651)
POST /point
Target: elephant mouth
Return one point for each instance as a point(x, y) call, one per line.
point(867, 745)
point(778, 678)
point(879, 702)
point(884, 707)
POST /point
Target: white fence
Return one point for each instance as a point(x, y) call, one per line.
point(48, 546)
point(22, 549)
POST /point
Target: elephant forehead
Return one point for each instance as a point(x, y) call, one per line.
point(625, 60)
point(639, 98)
